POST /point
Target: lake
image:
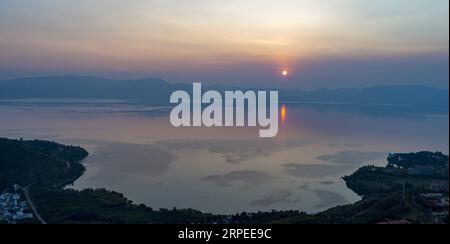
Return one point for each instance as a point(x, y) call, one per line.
point(134, 150)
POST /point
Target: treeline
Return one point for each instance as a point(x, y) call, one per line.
point(107, 207)
point(39, 163)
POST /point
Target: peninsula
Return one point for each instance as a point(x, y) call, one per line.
point(412, 188)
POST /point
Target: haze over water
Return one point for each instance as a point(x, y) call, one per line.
point(134, 150)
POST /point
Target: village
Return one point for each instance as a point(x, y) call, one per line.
point(12, 207)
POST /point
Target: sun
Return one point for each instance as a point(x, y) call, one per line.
point(283, 113)
point(284, 73)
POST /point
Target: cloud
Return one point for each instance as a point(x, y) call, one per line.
point(235, 151)
point(158, 184)
point(326, 182)
point(227, 44)
point(315, 170)
point(249, 177)
point(117, 159)
point(304, 187)
point(337, 163)
point(216, 179)
point(352, 157)
point(279, 196)
point(329, 199)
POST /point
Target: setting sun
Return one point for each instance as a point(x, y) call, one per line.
point(284, 73)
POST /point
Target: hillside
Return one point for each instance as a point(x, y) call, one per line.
point(148, 90)
point(39, 163)
point(391, 194)
point(401, 95)
point(101, 206)
point(46, 167)
point(157, 92)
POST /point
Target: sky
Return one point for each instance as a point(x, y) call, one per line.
point(322, 43)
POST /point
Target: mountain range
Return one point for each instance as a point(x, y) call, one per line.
point(157, 91)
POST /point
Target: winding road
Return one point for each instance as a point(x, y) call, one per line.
point(32, 206)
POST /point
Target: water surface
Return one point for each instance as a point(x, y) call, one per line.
point(134, 150)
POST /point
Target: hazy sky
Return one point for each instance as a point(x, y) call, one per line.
point(323, 43)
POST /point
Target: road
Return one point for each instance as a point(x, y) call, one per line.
point(32, 206)
point(68, 166)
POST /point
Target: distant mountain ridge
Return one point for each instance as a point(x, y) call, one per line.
point(147, 90)
point(407, 95)
point(157, 91)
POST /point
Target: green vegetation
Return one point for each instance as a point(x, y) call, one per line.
point(399, 192)
point(107, 207)
point(373, 209)
point(408, 160)
point(47, 167)
point(39, 163)
point(393, 193)
point(390, 194)
point(417, 173)
point(373, 180)
point(425, 165)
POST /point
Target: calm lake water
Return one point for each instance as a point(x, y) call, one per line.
point(134, 150)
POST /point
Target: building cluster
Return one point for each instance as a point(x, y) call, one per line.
point(12, 208)
point(437, 203)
